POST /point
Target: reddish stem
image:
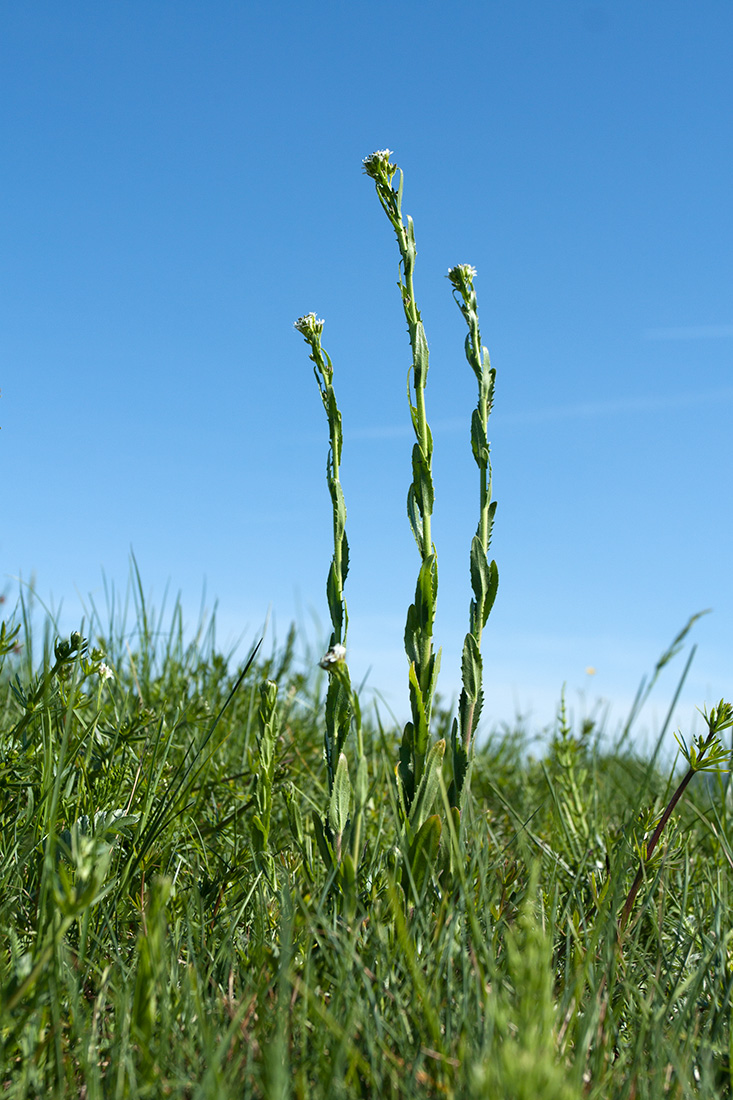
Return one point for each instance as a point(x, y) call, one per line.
point(635, 886)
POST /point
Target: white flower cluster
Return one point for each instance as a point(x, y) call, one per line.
point(462, 273)
point(334, 656)
point(309, 325)
point(380, 154)
point(377, 165)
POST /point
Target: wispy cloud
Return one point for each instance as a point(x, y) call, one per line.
point(649, 403)
point(581, 410)
point(690, 332)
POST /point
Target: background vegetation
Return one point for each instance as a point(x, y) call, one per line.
point(150, 948)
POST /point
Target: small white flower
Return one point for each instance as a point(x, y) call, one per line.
point(462, 273)
point(334, 656)
point(377, 165)
point(106, 672)
point(379, 154)
point(309, 325)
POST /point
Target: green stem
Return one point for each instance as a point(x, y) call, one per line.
point(484, 575)
point(310, 327)
point(427, 546)
point(707, 755)
point(342, 706)
point(421, 614)
point(635, 886)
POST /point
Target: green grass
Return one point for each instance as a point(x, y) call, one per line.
point(148, 950)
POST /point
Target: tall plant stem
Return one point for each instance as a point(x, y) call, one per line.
point(342, 705)
point(423, 663)
point(484, 574)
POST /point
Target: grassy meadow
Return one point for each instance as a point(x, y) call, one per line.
point(228, 878)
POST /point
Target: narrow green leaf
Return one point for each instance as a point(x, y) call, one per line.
point(337, 720)
point(492, 590)
point(413, 409)
point(469, 710)
point(414, 516)
point(347, 875)
point(676, 645)
point(259, 834)
point(334, 597)
point(421, 352)
point(480, 572)
point(295, 819)
point(426, 593)
point(344, 559)
point(268, 727)
point(429, 785)
point(429, 436)
point(422, 481)
point(492, 513)
point(430, 680)
point(460, 766)
point(340, 803)
point(339, 507)
point(417, 706)
point(335, 422)
point(343, 713)
point(423, 853)
point(412, 635)
point(323, 841)
point(477, 711)
point(471, 667)
point(405, 770)
point(479, 444)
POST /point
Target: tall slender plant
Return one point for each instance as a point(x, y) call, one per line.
point(342, 707)
point(424, 662)
point(484, 574)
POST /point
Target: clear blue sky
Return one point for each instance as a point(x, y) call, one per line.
point(182, 180)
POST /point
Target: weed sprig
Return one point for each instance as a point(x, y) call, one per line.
point(703, 754)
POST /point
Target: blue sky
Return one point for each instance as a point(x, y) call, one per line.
point(181, 181)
